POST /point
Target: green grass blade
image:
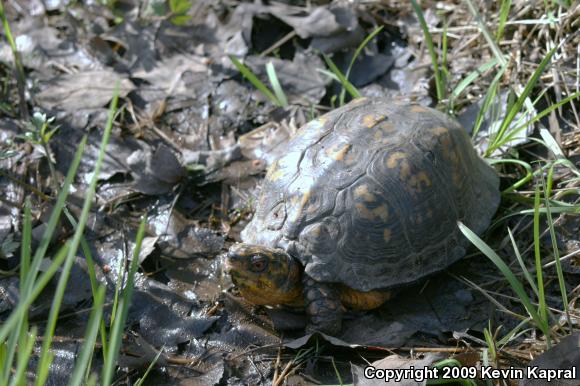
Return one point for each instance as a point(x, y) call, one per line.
point(516, 332)
point(470, 78)
point(559, 273)
point(13, 320)
point(487, 101)
point(520, 260)
point(342, 79)
point(361, 47)
point(440, 87)
point(25, 246)
point(20, 75)
point(124, 304)
point(7, 30)
point(504, 12)
point(3, 358)
point(488, 37)
point(20, 331)
point(275, 83)
point(355, 56)
point(149, 368)
point(499, 139)
point(551, 144)
point(542, 308)
point(65, 273)
point(508, 274)
point(40, 252)
point(92, 380)
point(18, 317)
point(543, 114)
point(87, 351)
point(19, 377)
point(522, 181)
point(253, 79)
point(490, 342)
point(11, 345)
point(92, 278)
point(330, 74)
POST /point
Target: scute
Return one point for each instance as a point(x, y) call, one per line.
point(369, 195)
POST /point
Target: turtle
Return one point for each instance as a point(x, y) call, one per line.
point(366, 200)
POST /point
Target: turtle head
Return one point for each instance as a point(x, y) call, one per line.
point(265, 276)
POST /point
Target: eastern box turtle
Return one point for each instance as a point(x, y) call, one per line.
point(366, 199)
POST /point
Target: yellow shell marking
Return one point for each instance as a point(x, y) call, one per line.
point(322, 120)
point(359, 101)
point(316, 125)
point(446, 144)
point(275, 172)
point(304, 200)
point(316, 231)
point(394, 159)
point(299, 201)
point(362, 191)
point(387, 235)
point(371, 120)
point(417, 181)
point(338, 151)
point(339, 155)
point(405, 170)
point(419, 109)
point(381, 212)
point(439, 130)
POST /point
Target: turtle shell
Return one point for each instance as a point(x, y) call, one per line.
point(369, 195)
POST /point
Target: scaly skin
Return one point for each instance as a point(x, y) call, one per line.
point(266, 276)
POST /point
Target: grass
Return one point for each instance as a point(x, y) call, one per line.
point(528, 284)
point(17, 337)
point(526, 275)
point(337, 75)
point(439, 77)
point(343, 79)
point(275, 83)
point(277, 97)
point(19, 69)
point(276, 94)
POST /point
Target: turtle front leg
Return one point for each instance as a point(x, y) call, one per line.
point(323, 307)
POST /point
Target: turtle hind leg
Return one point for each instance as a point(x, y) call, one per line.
point(323, 307)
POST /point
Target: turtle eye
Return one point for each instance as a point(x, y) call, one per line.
point(259, 263)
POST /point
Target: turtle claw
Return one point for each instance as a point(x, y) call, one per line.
point(323, 307)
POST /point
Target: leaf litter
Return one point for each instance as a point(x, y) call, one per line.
point(188, 150)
